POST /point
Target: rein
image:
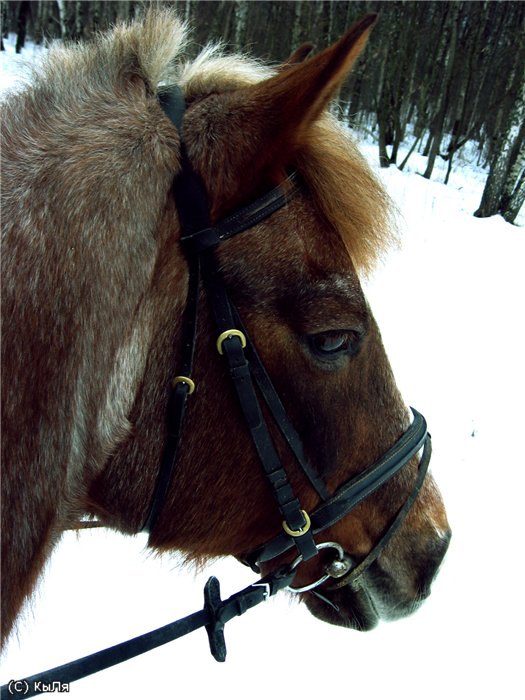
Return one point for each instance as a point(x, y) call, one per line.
point(251, 381)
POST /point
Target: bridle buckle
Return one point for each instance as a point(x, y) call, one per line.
point(231, 333)
point(302, 530)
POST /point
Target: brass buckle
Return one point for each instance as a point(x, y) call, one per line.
point(184, 380)
point(232, 333)
point(302, 530)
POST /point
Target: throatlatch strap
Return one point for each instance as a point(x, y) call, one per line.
point(177, 402)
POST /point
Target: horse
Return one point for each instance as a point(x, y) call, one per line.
point(95, 294)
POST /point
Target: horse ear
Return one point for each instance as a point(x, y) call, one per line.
point(266, 123)
point(298, 56)
point(289, 102)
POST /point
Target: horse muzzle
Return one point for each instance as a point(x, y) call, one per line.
point(383, 590)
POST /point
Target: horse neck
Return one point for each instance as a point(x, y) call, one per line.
point(120, 490)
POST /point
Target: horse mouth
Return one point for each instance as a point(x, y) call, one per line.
point(362, 609)
point(344, 607)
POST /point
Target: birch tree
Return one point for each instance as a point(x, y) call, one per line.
point(503, 191)
point(62, 10)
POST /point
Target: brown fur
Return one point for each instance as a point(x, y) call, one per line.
point(94, 284)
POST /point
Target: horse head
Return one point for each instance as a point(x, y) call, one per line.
point(109, 334)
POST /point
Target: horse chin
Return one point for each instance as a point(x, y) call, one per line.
point(344, 607)
point(379, 597)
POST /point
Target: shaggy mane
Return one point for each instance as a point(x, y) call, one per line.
point(339, 179)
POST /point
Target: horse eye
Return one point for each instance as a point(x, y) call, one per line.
point(332, 344)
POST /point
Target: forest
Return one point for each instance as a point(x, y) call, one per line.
point(435, 75)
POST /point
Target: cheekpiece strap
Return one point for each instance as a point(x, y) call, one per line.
point(199, 238)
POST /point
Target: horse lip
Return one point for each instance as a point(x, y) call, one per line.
point(344, 607)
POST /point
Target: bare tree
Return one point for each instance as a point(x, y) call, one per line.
point(503, 191)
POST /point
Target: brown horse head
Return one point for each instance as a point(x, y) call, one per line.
point(95, 287)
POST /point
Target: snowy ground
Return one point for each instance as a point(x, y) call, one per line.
point(450, 306)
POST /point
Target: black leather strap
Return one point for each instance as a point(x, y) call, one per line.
point(241, 374)
point(172, 101)
point(177, 402)
point(214, 616)
point(243, 219)
point(348, 496)
point(279, 414)
point(353, 578)
point(356, 490)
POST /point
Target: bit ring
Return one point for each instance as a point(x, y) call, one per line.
point(323, 545)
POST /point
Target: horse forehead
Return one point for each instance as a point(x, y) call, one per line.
point(293, 265)
point(314, 256)
point(337, 283)
point(301, 242)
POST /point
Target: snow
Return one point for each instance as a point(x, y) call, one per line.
point(449, 303)
point(16, 69)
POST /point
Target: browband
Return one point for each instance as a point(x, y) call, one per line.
point(242, 219)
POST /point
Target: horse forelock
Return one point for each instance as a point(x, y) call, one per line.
point(348, 192)
point(338, 177)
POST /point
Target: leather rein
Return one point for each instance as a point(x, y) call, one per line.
point(199, 239)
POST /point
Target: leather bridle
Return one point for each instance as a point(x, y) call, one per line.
point(199, 240)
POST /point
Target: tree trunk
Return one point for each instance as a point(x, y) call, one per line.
point(62, 18)
point(515, 201)
point(5, 26)
point(509, 150)
point(384, 160)
point(516, 167)
point(439, 121)
point(412, 149)
point(23, 14)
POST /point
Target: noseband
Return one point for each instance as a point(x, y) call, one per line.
point(199, 239)
point(251, 381)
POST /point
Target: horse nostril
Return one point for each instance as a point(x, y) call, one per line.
point(423, 593)
point(434, 555)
